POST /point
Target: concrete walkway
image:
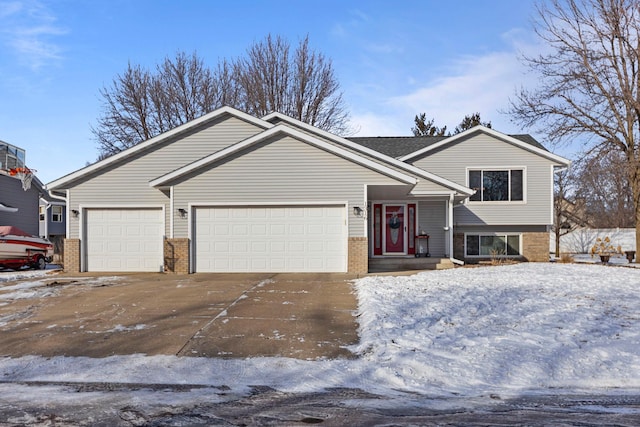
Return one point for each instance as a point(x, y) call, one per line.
point(305, 316)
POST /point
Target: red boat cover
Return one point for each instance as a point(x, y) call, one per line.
point(10, 229)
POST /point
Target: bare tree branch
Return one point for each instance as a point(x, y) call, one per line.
point(589, 84)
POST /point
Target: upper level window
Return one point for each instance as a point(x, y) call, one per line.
point(42, 210)
point(56, 213)
point(497, 185)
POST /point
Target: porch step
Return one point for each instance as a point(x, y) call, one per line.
point(383, 265)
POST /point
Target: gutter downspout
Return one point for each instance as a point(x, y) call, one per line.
point(449, 226)
point(46, 216)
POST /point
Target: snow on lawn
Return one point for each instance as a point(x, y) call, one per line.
point(516, 329)
point(519, 327)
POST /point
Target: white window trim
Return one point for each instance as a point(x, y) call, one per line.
point(497, 169)
point(505, 235)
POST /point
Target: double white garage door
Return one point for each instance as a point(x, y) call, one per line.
point(270, 239)
point(225, 239)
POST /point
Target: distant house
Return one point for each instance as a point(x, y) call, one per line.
point(52, 221)
point(230, 192)
point(19, 207)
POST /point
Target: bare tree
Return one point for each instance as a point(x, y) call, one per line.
point(141, 104)
point(589, 80)
point(567, 214)
point(602, 183)
point(300, 84)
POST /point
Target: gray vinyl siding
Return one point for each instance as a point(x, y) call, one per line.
point(427, 185)
point(12, 194)
point(482, 151)
point(127, 183)
point(283, 170)
point(431, 220)
point(422, 185)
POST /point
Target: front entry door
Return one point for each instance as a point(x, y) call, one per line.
point(395, 230)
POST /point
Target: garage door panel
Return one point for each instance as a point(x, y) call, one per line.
point(123, 239)
point(270, 239)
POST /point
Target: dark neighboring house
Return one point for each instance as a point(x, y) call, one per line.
point(18, 207)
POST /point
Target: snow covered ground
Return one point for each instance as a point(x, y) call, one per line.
point(520, 329)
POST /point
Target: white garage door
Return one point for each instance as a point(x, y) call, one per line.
point(124, 239)
point(270, 239)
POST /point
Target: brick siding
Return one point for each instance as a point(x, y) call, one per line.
point(358, 257)
point(535, 247)
point(71, 255)
point(176, 255)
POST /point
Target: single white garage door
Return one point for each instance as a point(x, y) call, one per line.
point(270, 239)
point(124, 239)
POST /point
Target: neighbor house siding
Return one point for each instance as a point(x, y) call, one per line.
point(12, 194)
point(481, 151)
point(127, 183)
point(280, 170)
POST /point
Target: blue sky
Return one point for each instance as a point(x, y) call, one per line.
point(394, 59)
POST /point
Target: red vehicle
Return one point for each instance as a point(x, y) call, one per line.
point(19, 249)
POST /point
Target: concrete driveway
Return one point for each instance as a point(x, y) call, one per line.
point(305, 316)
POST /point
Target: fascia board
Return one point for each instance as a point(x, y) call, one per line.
point(553, 157)
point(155, 140)
point(373, 153)
point(282, 129)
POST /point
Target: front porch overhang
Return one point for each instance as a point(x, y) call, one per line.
point(408, 193)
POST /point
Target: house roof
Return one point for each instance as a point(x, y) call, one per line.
point(400, 146)
point(59, 183)
point(396, 146)
point(287, 131)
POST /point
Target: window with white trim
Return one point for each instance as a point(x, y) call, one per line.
point(487, 245)
point(56, 213)
point(504, 185)
point(42, 210)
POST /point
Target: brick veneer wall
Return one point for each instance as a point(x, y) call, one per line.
point(358, 257)
point(535, 247)
point(72, 255)
point(176, 255)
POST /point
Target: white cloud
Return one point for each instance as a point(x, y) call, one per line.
point(483, 84)
point(27, 29)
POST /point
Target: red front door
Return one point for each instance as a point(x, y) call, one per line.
point(395, 229)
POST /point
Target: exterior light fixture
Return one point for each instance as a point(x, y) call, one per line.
point(75, 213)
point(182, 212)
point(357, 211)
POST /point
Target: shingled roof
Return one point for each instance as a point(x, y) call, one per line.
point(399, 146)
